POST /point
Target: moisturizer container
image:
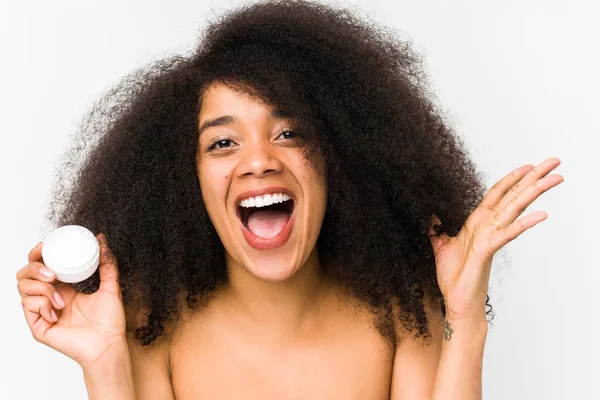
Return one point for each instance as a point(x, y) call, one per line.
point(72, 252)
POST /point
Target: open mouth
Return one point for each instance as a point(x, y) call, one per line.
point(266, 221)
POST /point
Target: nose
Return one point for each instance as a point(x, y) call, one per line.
point(258, 159)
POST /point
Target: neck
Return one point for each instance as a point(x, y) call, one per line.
point(288, 305)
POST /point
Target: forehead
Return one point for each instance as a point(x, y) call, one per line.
point(218, 97)
point(222, 105)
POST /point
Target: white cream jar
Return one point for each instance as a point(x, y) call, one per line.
point(72, 252)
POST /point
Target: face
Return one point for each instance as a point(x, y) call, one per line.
point(265, 200)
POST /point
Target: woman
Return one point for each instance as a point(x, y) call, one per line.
point(282, 214)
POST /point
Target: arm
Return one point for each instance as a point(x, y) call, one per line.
point(416, 361)
point(129, 371)
point(151, 373)
point(110, 376)
point(459, 371)
point(444, 368)
point(150, 365)
point(463, 266)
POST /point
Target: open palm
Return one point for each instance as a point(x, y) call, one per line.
point(463, 262)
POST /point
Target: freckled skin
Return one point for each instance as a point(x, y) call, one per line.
point(256, 156)
point(386, 148)
point(292, 336)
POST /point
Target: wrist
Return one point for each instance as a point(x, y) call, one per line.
point(115, 353)
point(470, 330)
point(475, 318)
point(114, 363)
point(110, 376)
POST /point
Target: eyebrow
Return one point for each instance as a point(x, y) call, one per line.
point(228, 119)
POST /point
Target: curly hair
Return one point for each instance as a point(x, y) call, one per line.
point(360, 95)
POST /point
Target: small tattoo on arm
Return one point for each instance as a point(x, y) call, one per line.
point(448, 331)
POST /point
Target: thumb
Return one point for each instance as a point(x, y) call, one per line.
point(109, 272)
point(434, 238)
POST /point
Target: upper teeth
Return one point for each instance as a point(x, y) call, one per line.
point(264, 200)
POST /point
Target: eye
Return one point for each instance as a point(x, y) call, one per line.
point(220, 143)
point(287, 134)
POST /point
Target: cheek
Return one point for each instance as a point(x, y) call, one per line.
point(214, 182)
point(313, 172)
point(316, 183)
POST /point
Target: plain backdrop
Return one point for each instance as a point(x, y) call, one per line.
point(518, 80)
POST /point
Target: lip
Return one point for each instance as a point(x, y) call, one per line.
point(271, 243)
point(276, 241)
point(265, 190)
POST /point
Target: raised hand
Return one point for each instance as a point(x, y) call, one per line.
point(463, 262)
point(79, 325)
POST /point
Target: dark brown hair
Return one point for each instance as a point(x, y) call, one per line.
point(360, 98)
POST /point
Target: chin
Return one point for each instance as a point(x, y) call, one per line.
point(273, 268)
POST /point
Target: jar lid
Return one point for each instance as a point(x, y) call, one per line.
point(70, 249)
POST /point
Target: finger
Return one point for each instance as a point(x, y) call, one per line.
point(30, 287)
point(35, 254)
point(433, 221)
point(501, 237)
point(36, 270)
point(511, 211)
point(431, 233)
point(496, 192)
point(35, 307)
point(109, 272)
point(532, 176)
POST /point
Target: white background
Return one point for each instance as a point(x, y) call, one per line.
point(519, 80)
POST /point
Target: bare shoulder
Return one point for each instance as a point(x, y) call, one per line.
point(150, 364)
point(416, 360)
point(338, 343)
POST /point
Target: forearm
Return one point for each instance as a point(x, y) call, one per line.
point(459, 370)
point(111, 377)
